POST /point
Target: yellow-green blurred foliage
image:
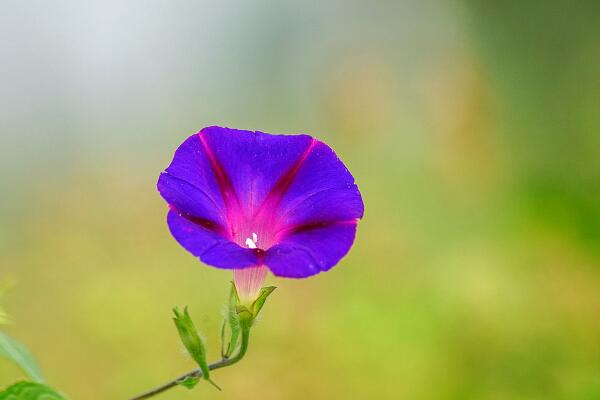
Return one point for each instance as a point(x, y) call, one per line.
point(473, 131)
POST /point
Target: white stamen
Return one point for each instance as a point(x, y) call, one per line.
point(251, 243)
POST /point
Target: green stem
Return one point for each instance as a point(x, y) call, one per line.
point(197, 372)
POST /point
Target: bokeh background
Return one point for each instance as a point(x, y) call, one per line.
point(473, 131)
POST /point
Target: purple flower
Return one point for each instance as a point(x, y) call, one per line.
point(249, 201)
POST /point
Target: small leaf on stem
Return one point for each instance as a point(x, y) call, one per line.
point(189, 381)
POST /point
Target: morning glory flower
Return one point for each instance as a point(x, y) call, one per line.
point(254, 202)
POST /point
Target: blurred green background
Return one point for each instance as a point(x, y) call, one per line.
point(473, 131)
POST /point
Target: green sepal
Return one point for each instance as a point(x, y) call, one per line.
point(16, 352)
point(234, 322)
point(246, 319)
point(191, 340)
point(260, 300)
point(30, 391)
point(244, 315)
point(223, 349)
point(189, 381)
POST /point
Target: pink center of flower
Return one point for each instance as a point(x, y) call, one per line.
point(258, 232)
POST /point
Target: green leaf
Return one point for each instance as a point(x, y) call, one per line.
point(234, 322)
point(189, 381)
point(18, 353)
point(30, 391)
point(260, 300)
point(191, 340)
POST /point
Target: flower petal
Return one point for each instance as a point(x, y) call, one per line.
point(311, 249)
point(290, 193)
point(253, 161)
point(187, 198)
point(190, 185)
point(209, 246)
point(323, 190)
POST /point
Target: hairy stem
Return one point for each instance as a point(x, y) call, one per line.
point(197, 372)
